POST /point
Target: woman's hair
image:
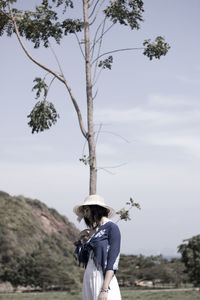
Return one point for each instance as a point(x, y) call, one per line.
point(96, 213)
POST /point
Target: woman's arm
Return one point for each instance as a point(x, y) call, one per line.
point(114, 239)
point(104, 291)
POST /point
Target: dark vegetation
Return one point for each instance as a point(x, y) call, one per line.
point(151, 271)
point(36, 250)
point(36, 245)
point(190, 252)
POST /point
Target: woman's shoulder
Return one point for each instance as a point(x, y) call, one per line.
point(111, 225)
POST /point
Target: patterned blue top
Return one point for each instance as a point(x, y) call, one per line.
point(105, 244)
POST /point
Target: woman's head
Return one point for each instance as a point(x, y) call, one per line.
point(93, 214)
point(93, 200)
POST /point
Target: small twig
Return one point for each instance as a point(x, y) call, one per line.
point(83, 151)
point(96, 41)
point(97, 77)
point(90, 3)
point(99, 50)
point(96, 12)
point(93, 9)
point(95, 36)
point(114, 51)
point(104, 169)
point(79, 43)
point(101, 25)
point(116, 134)
point(49, 87)
point(95, 95)
point(58, 62)
point(98, 132)
point(113, 167)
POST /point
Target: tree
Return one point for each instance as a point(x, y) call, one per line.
point(190, 251)
point(41, 269)
point(96, 20)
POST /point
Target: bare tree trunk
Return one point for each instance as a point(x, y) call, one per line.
point(90, 119)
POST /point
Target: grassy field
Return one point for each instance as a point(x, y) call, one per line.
point(126, 295)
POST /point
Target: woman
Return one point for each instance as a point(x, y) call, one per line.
point(98, 248)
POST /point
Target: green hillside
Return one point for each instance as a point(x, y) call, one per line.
point(36, 245)
point(36, 250)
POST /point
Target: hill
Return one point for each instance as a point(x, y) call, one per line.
point(36, 245)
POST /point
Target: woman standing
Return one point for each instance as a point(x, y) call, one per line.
point(98, 248)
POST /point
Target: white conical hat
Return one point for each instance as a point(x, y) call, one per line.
point(93, 200)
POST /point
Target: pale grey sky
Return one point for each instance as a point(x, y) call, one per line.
point(151, 120)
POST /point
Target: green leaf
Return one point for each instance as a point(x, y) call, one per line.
point(156, 49)
point(72, 26)
point(106, 63)
point(39, 86)
point(43, 116)
point(124, 213)
point(126, 12)
point(64, 2)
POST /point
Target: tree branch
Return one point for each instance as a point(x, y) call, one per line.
point(96, 41)
point(104, 169)
point(95, 95)
point(111, 167)
point(97, 77)
point(79, 43)
point(26, 51)
point(5, 14)
point(98, 55)
point(96, 11)
point(49, 88)
point(77, 110)
point(114, 51)
point(61, 78)
point(98, 132)
point(58, 62)
point(116, 134)
point(71, 95)
point(90, 3)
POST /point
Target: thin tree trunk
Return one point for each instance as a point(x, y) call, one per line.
point(90, 119)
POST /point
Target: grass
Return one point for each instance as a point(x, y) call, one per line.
point(40, 296)
point(126, 295)
point(160, 295)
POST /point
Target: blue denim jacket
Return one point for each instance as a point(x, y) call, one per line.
point(105, 246)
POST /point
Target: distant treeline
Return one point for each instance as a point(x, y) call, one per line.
point(138, 269)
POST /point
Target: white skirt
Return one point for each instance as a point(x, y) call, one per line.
point(93, 281)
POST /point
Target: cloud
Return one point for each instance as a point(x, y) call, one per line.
point(158, 110)
point(132, 115)
point(166, 121)
point(191, 144)
point(172, 102)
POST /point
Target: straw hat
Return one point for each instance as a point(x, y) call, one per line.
point(93, 200)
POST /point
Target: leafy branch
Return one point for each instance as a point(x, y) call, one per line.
point(124, 213)
point(43, 116)
point(106, 63)
point(156, 49)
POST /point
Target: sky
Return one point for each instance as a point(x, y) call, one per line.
point(149, 144)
